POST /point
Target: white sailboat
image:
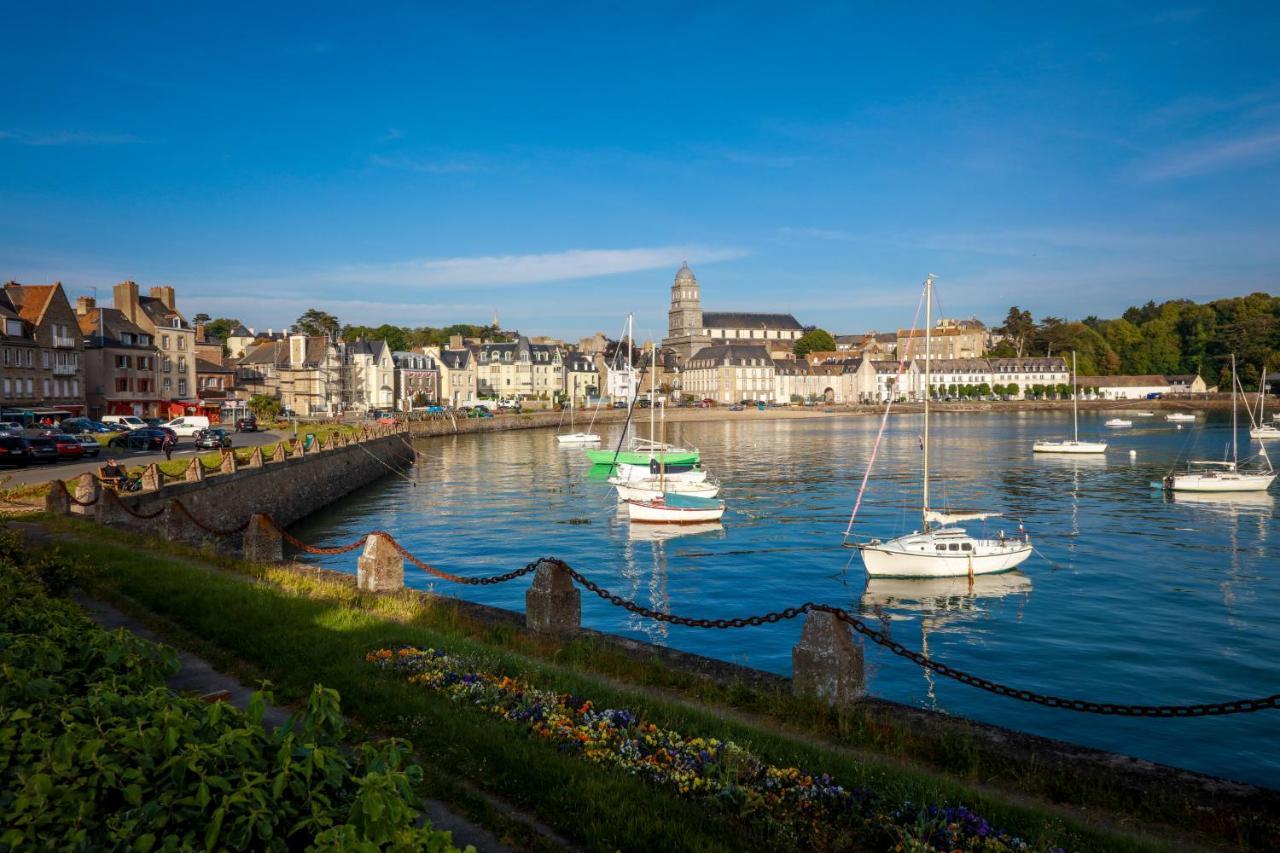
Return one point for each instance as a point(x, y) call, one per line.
point(576, 438)
point(1074, 445)
point(663, 505)
point(1119, 423)
point(1262, 431)
point(941, 549)
point(1212, 476)
point(1180, 417)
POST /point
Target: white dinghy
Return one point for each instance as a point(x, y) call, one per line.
point(1117, 423)
point(1179, 417)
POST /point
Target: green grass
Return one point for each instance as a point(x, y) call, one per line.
point(301, 629)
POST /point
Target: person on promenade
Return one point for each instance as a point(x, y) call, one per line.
point(113, 475)
point(167, 446)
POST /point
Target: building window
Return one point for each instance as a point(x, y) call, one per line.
point(182, 340)
point(168, 384)
point(45, 386)
point(182, 387)
point(122, 384)
point(164, 341)
point(6, 387)
point(44, 358)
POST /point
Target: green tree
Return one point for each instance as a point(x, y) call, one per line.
point(1012, 389)
point(814, 340)
point(1018, 328)
point(267, 408)
point(952, 391)
point(219, 329)
point(998, 389)
point(984, 390)
point(1004, 349)
point(316, 322)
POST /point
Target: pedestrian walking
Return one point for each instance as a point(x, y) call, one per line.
point(167, 446)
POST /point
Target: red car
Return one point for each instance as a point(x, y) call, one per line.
point(68, 446)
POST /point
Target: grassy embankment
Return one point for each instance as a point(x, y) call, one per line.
point(298, 628)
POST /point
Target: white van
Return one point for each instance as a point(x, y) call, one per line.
point(124, 421)
point(188, 425)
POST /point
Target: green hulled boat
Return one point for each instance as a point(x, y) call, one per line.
point(637, 457)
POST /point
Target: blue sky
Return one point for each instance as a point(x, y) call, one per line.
point(429, 165)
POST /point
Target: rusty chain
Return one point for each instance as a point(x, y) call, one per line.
point(230, 531)
point(141, 515)
point(311, 549)
point(484, 581)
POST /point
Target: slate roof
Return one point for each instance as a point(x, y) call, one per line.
point(204, 366)
point(1144, 381)
point(161, 314)
point(1029, 364)
point(455, 359)
point(733, 353)
point(579, 363)
point(747, 320)
point(115, 324)
point(1182, 378)
point(959, 365)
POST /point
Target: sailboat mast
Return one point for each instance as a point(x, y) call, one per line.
point(1235, 453)
point(1075, 405)
point(653, 379)
point(928, 371)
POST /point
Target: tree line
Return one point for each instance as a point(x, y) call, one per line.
point(1179, 336)
point(315, 322)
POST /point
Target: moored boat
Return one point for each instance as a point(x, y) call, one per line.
point(1119, 422)
point(675, 509)
point(1225, 476)
point(1179, 417)
point(1073, 444)
point(673, 456)
point(654, 487)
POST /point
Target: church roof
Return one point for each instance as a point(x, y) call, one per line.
point(685, 274)
point(747, 320)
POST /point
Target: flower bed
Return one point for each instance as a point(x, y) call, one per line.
point(808, 808)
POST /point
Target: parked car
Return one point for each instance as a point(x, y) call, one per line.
point(187, 424)
point(80, 426)
point(68, 446)
point(247, 424)
point(619, 404)
point(89, 444)
point(479, 412)
point(735, 408)
point(124, 421)
point(42, 448)
point(146, 438)
point(213, 438)
point(11, 427)
point(14, 451)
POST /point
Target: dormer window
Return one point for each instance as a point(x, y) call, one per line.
point(177, 323)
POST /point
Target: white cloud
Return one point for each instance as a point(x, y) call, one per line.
point(499, 271)
point(1213, 155)
point(67, 137)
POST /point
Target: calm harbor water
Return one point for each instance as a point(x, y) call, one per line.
point(1134, 597)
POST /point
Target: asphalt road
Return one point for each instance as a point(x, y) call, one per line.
point(40, 473)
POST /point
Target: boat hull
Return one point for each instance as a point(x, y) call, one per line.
point(646, 491)
point(578, 438)
point(1230, 482)
point(1265, 433)
point(632, 457)
point(1069, 447)
point(654, 512)
point(1176, 418)
point(897, 559)
point(634, 473)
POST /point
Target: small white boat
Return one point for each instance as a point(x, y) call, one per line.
point(1265, 432)
point(1261, 430)
point(1276, 416)
point(1179, 417)
point(1074, 444)
point(1144, 414)
point(578, 438)
point(626, 473)
point(1119, 422)
point(675, 509)
point(654, 487)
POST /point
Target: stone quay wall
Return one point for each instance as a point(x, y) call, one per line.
point(288, 486)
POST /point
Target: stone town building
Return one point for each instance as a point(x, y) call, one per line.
point(41, 327)
point(304, 372)
point(417, 380)
point(120, 362)
point(369, 380)
point(519, 370)
point(215, 389)
point(457, 366)
point(1187, 383)
point(174, 337)
point(1027, 373)
point(794, 381)
point(1123, 387)
point(730, 373)
point(581, 379)
point(946, 342)
point(689, 328)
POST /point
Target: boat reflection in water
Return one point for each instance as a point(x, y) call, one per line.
point(938, 603)
point(1245, 503)
point(651, 591)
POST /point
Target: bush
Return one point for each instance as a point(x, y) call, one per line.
point(95, 753)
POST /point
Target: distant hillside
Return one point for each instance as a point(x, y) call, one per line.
point(1179, 336)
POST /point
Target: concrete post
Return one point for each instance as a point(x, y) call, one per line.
point(151, 480)
point(110, 512)
point(58, 501)
point(298, 449)
point(552, 604)
point(229, 465)
point(278, 455)
point(176, 526)
point(380, 568)
point(827, 663)
point(263, 544)
point(328, 444)
point(195, 471)
point(87, 491)
point(255, 458)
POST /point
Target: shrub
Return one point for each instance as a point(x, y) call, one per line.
point(95, 753)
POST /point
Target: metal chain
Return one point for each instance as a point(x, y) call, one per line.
point(230, 531)
point(75, 500)
point(311, 549)
point(141, 515)
point(432, 570)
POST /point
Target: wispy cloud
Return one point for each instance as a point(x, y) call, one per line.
point(67, 137)
point(502, 271)
point(424, 166)
point(1213, 155)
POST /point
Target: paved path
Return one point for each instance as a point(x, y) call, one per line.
point(185, 449)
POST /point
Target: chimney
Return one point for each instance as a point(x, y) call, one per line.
point(165, 295)
point(199, 333)
point(125, 298)
point(455, 342)
point(85, 304)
